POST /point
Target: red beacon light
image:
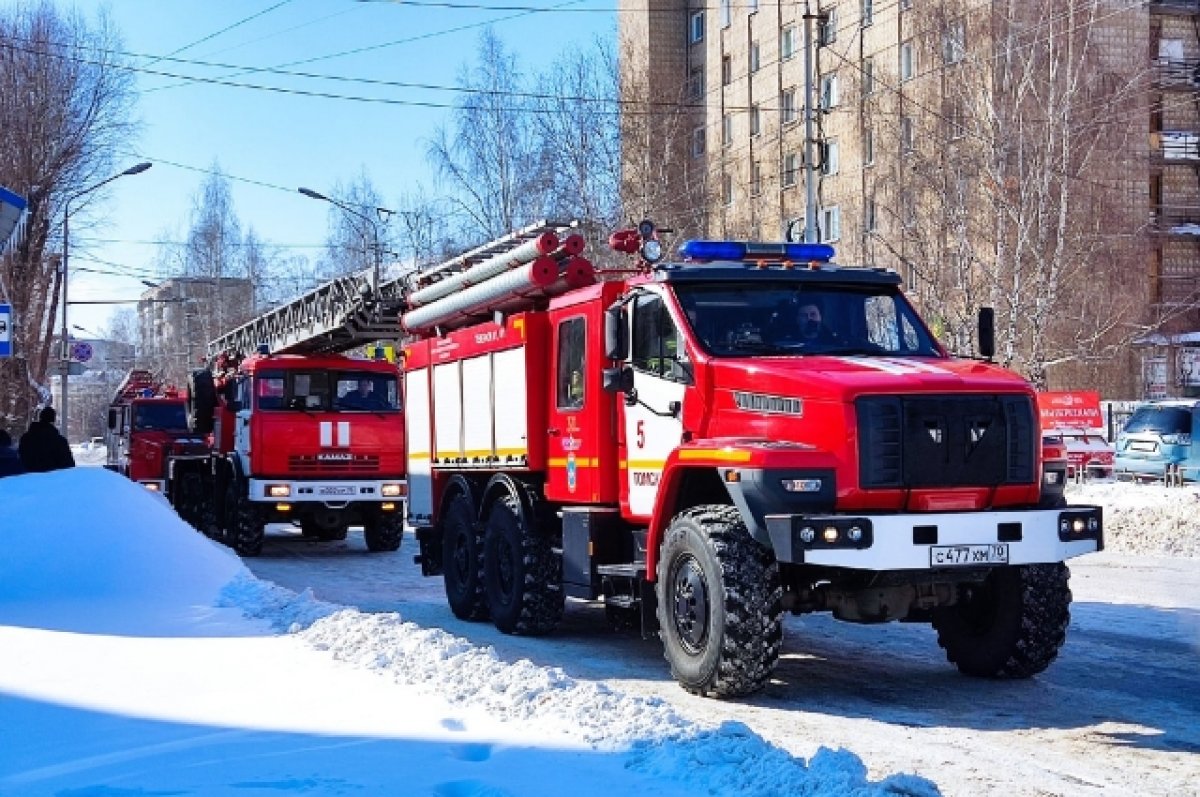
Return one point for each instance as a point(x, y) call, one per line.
point(759, 253)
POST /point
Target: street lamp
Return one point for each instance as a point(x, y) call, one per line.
point(66, 338)
point(383, 214)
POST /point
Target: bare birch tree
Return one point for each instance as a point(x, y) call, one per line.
point(65, 109)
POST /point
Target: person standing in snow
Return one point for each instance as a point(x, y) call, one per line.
point(10, 460)
point(42, 448)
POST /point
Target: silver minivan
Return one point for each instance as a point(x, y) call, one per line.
point(1161, 438)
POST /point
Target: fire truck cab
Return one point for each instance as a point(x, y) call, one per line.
point(702, 449)
point(147, 424)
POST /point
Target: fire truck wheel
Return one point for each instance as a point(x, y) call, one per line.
point(719, 603)
point(243, 524)
point(462, 560)
point(384, 531)
point(201, 401)
point(1011, 625)
point(521, 575)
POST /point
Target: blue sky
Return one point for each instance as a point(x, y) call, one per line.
point(271, 142)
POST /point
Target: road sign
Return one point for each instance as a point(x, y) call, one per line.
point(5, 330)
point(81, 352)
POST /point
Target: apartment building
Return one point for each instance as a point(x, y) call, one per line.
point(941, 148)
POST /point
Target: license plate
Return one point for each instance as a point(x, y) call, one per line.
point(966, 555)
point(1142, 445)
point(337, 491)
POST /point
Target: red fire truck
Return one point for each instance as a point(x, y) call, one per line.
point(315, 440)
point(147, 425)
point(684, 444)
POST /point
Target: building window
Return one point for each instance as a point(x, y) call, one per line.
point(787, 103)
point(829, 157)
point(868, 147)
point(954, 42)
point(787, 43)
point(956, 119)
point(831, 224)
point(755, 121)
point(726, 15)
point(829, 92)
point(727, 189)
point(905, 5)
point(908, 61)
point(727, 130)
point(868, 76)
point(827, 27)
point(870, 220)
point(906, 133)
point(791, 164)
point(697, 142)
point(696, 28)
point(726, 70)
point(868, 12)
point(755, 178)
point(755, 57)
point(696, 82)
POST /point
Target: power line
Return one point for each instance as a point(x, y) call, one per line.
point(215, 34)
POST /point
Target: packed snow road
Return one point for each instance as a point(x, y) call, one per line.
point(1117, 713)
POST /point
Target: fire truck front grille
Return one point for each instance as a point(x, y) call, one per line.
point(338, 463)
point(945, 441)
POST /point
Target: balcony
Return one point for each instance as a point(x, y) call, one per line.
point(1174, 146)
point(1175, 7)
point(1177, 74)
point(1176, 221)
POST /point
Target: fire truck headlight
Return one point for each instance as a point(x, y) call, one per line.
point(652, 251)
point(393, 490)
point(387, 506)
point(279, 490)
point(151, 486)
point(802, 485)
point(830, 534)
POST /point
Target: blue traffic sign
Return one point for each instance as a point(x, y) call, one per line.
point(5, 330)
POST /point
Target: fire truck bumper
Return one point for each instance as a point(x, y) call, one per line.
point(328, 491)
point(938, 540)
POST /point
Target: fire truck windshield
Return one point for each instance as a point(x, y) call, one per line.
point(783, 318)
point(325, 391)
point(162, 415)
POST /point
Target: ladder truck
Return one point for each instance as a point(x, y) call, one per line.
point(147, 426)
point(674, 442)
point(295, 430)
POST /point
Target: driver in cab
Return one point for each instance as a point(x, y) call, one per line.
point(363, 397)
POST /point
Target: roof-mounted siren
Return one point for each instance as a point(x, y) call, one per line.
point(642, 241)
point(754, 251)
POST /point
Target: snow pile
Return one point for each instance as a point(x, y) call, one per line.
point(1145, 519)
point(113, 561)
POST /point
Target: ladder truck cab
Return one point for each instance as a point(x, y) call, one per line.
point(708, 443)
point(302, 430)
point(147, 425)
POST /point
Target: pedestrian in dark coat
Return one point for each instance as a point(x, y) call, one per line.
point(10, 460)
point(42, 448)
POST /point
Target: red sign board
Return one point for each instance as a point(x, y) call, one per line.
point(1072, 409)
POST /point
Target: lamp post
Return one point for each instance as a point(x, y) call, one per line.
point(66, 337)
point(383, 213)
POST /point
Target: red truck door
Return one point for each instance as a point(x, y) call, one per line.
point(574, 424)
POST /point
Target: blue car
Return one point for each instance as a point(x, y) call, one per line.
point(1161, 437)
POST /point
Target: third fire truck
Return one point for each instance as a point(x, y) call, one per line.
point(678, 444)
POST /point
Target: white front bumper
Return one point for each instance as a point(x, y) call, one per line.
point(332, 491)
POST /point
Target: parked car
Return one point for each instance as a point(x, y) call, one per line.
point(1161, 438)
point(1088, 453)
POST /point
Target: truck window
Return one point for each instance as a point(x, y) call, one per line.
point(657, 345)
point(365, 392)
point(169, 416)
point(572, 335)
point(270, 392)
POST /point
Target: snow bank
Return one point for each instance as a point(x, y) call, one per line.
point(1145, 519)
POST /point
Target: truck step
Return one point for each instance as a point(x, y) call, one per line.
point(633, 570)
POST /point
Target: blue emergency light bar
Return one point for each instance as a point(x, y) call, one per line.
point(754, 250)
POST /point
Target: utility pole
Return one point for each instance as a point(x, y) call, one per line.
point(810, 172)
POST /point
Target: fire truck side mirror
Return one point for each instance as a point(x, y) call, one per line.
point(987, 332)
point(617, 380)
point(616, 333)
point(112, 418)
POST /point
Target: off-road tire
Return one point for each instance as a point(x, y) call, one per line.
point(719, 603)
point(462, 559)
point(244, 527)
point(201, 401)
point(521, 574)
point(1009, 626)
point(383, 532)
